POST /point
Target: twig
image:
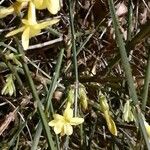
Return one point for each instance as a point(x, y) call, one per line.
point(41, 45)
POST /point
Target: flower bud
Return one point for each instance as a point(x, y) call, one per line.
point(9, 87)
point(6, 11)
point(83, 97)
point(103, 103)
point(70, 95)
point(127, 112)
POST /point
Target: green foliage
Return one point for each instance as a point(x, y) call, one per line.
point(94, 66)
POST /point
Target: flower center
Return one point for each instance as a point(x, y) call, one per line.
point(67, 120)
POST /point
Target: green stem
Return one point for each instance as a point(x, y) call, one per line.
point(129, 21)
point(144, 32)
point(54, 82)
point(14, 71)
point(37, 136)
point(146, 84)
point(127, 69)
point(36, 98)
point(52, 89)
point(49, 106)
point(74, 54)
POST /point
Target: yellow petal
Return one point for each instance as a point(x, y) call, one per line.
point(58, 128)
point(18, 6)
point(68, 114)
point(53, 6)
point(58, 117)
point(6, 11)
point(147, 126)
point(40, 4)
point(58, 121)
point(25, 22)
point(76, 121)
point(52, 123)
point(31, 14)
point(33, 31)
point(68, 130)
point(46, 24)
point(15, 31)
point(25, 38)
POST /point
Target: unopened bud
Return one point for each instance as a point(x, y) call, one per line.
point(83, 97)
point(70, 95)
point(127, 112)
point(103, 102)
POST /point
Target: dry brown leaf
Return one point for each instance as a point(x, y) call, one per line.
point(121, 9)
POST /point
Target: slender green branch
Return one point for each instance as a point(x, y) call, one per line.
point(9, 47)
point(14, 71)
point(36, 98)
point(49, 106)
point(74, 52)
point(54, 82)
point(127, 69)
point(144, 32)
point(52, 89)
point(37, 136)
point(89, 37)
point(129, 20)
point(146, 84)
point(91, 33)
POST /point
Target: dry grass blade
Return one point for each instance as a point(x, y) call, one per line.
point(8, 119)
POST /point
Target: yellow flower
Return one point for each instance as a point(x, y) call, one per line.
point(52, 5)
point(15, 8)
point(30, 26)
point(63, 124)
